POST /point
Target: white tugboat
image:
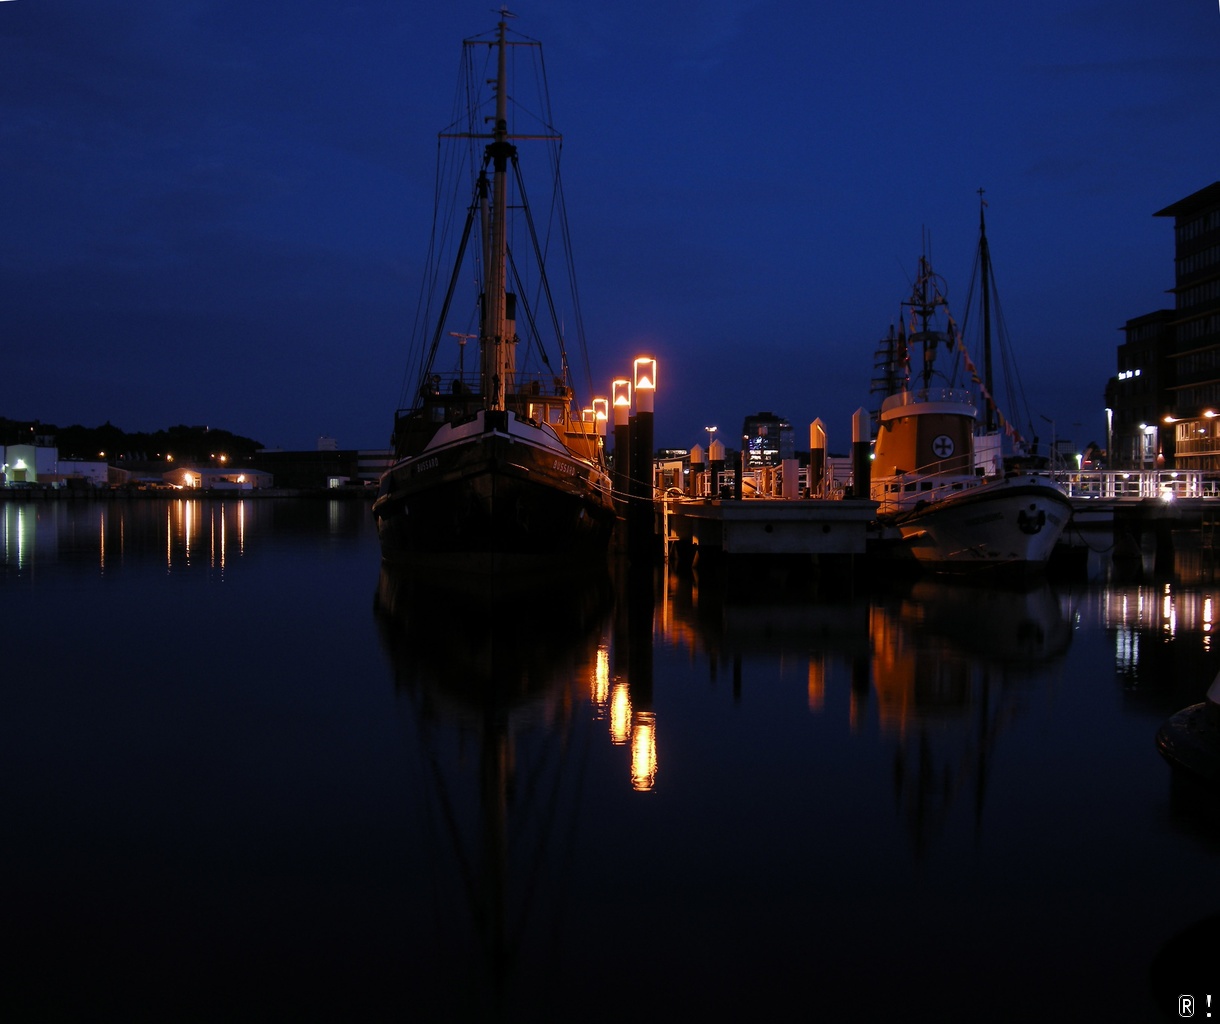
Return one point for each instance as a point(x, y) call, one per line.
point(952, 511)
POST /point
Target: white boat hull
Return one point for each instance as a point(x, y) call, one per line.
point(1011, 523)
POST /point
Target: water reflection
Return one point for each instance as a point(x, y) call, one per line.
point(499, 689)
point(951, 665)
point(1162, 638)
point(938, 669)
point(179, 533)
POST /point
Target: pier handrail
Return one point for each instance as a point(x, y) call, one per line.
point(1135, 484)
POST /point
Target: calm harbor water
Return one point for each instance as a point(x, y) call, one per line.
point(248, 774)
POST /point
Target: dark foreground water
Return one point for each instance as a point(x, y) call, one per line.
point(248, 775)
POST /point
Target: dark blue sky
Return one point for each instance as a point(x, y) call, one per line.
point(216, 212)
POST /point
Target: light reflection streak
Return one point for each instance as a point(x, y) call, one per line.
point(644, 752)
point(816, 685)
point(21, 536)
point(620, 714)
point(601, 681)
point(107, 534)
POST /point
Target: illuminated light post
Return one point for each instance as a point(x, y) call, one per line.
point(601, 414)
point(620, 391)
point(641, 531)
point(1109, 438)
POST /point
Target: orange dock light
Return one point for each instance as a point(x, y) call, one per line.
point(601, 414)
point(645, 383)
point(621, 391)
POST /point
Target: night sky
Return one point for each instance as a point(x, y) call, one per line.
point(216, 213)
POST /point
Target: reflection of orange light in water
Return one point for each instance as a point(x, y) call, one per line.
point(817, 684)
point(601, 680)
point(620, 714)
point(644, 753)
point(893, 672)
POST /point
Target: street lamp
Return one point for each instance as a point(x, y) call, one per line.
point(1147, 442)
point(1109, 438)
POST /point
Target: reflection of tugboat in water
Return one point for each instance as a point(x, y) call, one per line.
point(952, 511)
point(947, 666)
point(497, 709)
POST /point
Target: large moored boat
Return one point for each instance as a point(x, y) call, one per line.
point(953, 511)
point(495, 467)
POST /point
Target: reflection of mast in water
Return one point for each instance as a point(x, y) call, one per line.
point(505, 679)
point(946, 661)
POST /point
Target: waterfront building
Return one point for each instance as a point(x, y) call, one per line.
point(1165, 400)
point(30, 464)
point(325, 467)
point(217, 478)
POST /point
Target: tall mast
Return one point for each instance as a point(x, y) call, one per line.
point(985, 273)
point(497, 361)
point(926, 298)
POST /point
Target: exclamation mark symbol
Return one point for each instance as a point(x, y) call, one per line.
point(1209, 1006)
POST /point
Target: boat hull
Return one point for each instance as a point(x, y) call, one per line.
point(494, 498)
point(1012, 524)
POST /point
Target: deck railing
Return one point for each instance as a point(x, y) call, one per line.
point(1111, 484)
